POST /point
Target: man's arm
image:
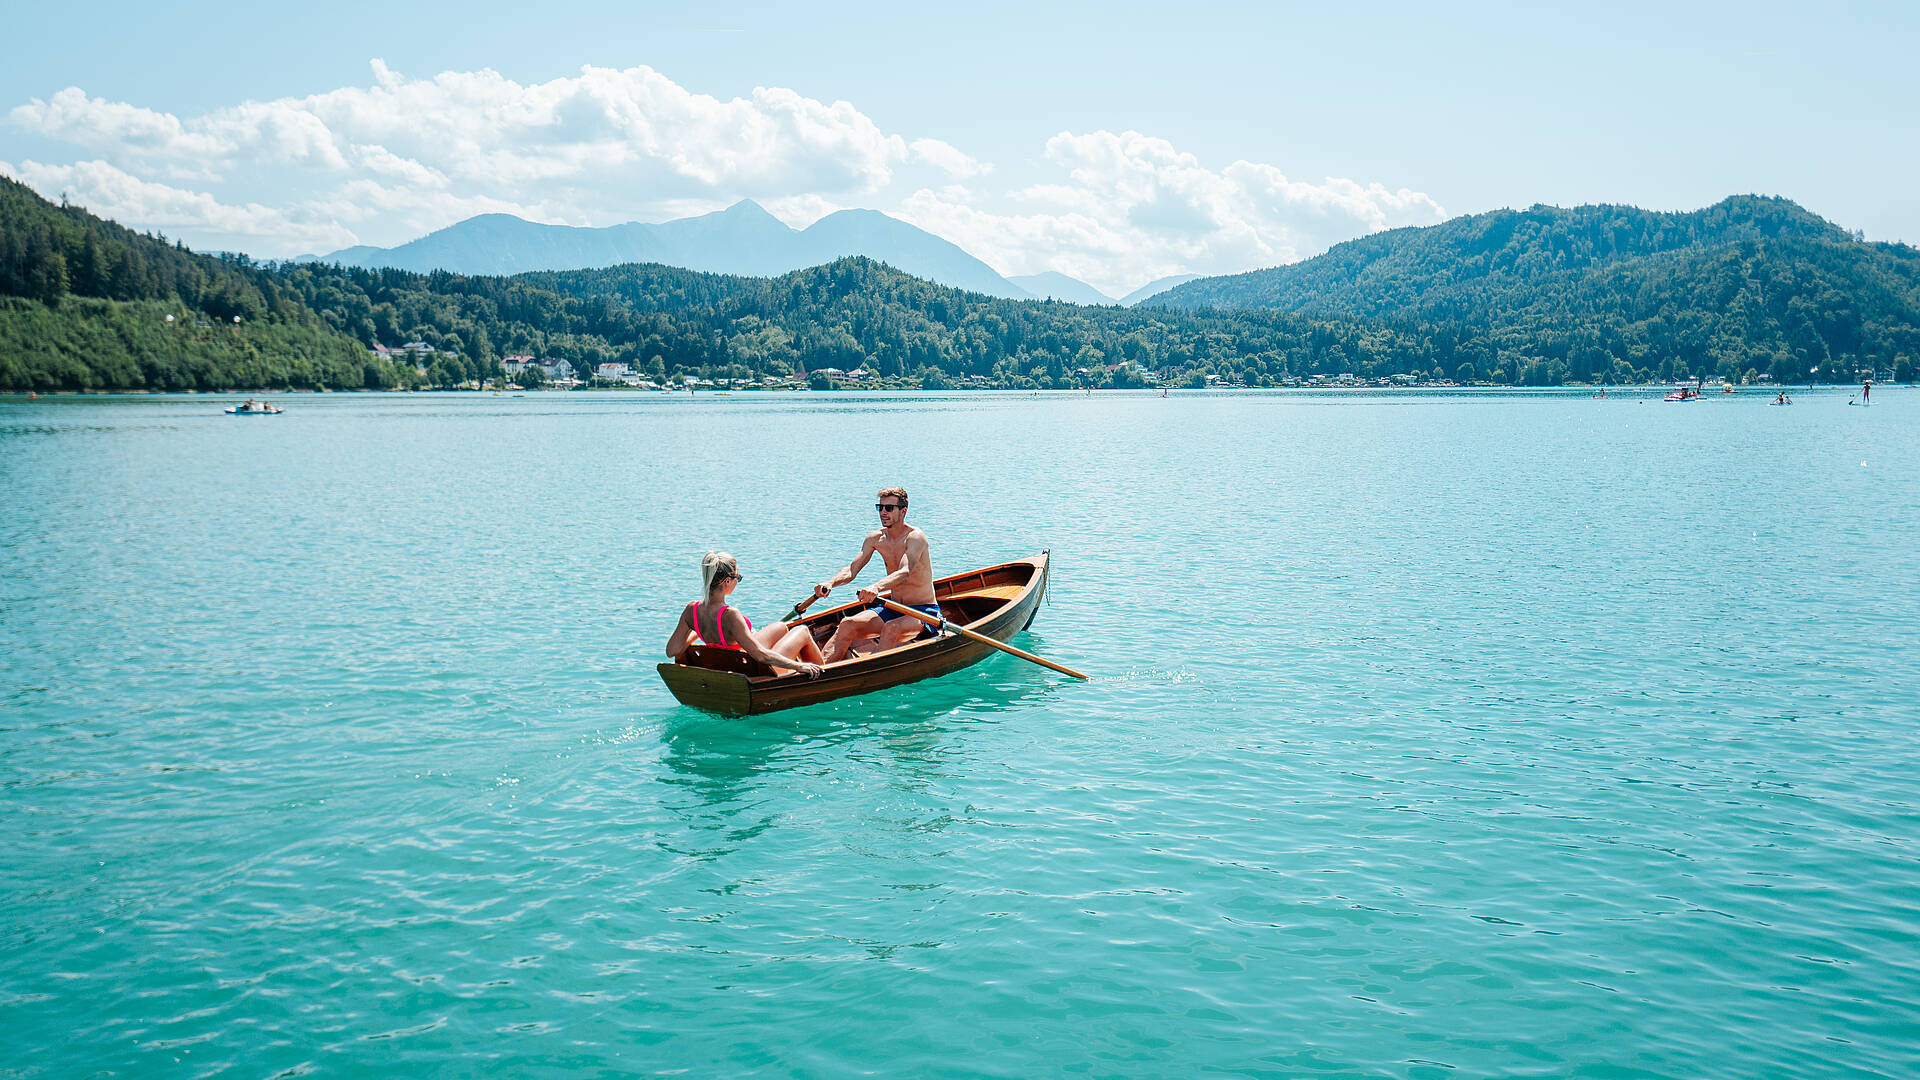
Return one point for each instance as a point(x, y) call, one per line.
point(853, 569)
point(916, 556)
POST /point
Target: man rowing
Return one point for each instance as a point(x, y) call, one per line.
point(909, 580)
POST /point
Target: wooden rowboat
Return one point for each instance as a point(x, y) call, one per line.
point(999, 602)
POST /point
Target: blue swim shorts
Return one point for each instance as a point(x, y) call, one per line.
point(887, 614)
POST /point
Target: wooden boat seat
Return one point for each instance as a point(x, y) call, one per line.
point(715, 658)
point(961, 607)
point(1001, 593)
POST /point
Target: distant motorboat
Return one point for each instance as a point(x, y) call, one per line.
point(255, 409)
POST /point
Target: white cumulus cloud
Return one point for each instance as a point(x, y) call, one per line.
point(116, 194)
point(948, 158)
point(601, 147)
point(389, 161)
point(97, 124)
point(1131, 208)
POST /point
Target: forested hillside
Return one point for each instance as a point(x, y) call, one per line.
point(84, 304)
point(1589, 292)
point(846, 314)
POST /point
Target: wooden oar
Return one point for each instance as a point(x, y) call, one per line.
point(942, 624)
point(800, 608)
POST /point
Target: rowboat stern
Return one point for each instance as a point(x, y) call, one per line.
point(728, 693)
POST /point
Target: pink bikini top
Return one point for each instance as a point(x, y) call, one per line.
point(719, 621)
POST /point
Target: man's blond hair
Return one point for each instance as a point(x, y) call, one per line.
point(898, 493)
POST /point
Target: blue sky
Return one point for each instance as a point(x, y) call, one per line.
point(1114, 142)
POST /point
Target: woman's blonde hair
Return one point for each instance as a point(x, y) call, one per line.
point(715, 565)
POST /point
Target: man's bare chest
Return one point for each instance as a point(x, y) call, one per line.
point(892, 552)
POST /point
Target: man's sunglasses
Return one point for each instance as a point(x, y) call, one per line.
point(884, 507)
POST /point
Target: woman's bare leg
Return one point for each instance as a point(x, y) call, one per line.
point(800, 645)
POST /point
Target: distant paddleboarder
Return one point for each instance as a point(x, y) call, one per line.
point(1866, 391)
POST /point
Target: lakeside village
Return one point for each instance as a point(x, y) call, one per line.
point(547, 373)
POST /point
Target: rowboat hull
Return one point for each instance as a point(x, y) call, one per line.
point(998, 601)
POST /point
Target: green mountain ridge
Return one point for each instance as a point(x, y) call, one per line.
point(1751, 281)
point(1423, 267)
point(84, 305)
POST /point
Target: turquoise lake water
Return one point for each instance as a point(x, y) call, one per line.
point(1429, 735)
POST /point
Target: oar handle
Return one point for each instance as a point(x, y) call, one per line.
point(942, 624)
point(800, 608)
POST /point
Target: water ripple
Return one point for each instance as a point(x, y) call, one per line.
point(1429, 735)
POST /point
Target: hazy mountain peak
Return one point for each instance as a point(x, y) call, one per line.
point(1156, 287)
point(863, 219)
point(743, 239)
point(1058, 286)
point(747, 208)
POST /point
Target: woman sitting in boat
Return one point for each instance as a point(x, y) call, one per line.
point(714, 622)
